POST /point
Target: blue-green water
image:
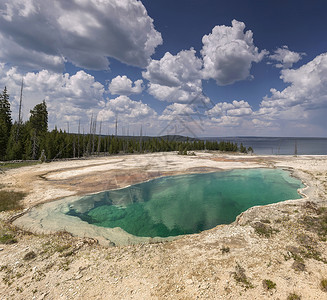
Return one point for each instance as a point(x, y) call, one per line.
point(185, 204)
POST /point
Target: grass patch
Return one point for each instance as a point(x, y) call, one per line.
point(323, 284)
point(268, 284)
point(311, 252)
point(240, 277)
point(7, 239)
point(264, 230)
point(10, 200)
point(293, 296)
point(14, 165)
point(317, 224)
point(295, 253)
point(62, 248)
point(307, 251)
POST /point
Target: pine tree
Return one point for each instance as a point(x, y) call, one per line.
point(38, 124)
point(5, 122)
point(39, 118)
point(15, 148)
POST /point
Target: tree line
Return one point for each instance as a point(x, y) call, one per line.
point(31, 140)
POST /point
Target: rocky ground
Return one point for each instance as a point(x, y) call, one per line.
point(271, 252)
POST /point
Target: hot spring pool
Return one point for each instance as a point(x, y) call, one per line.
point(185, 204)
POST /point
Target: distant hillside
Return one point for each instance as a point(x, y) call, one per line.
point(177, 138)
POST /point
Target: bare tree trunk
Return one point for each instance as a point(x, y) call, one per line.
point(20, 111)
point(93, 133)
point(99, 139)
point(84, 146)
point(141, 139)
point(79, 126)
point(89, 141)
point(74, 149)
point(116, 126)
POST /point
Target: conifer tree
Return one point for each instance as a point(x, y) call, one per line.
point(15, 148)
point(5, 122)
point(38, 124)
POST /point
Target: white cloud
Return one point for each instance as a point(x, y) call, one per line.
point(41, 34)
point(234, 109)
point(300, 106)
point(307, 90)
point(261, 124)
point(69, 98)
point(227, 121)
point(122, 85)
point(228, 53)
point(176, 78)
point(178, 110)
point(126, 110)
point(285, 57)
point(230, 115)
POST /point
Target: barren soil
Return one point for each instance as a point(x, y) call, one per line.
point(269, 252)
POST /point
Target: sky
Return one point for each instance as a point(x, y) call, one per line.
point(190, 67)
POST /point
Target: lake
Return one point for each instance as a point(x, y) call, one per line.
point(280, 145)
point(185, 204)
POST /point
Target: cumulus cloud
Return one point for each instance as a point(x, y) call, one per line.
point(176, 78)
point(261, 124)
point(234, 109)
point(122, 85)
point(307, 90)
point(302, 105)
point(44, 33)
point(178, 110)
point(126, 109)
point(227, 121)
point(69, 97)
point(230, 115)
point(228, 53)
point(285, 57)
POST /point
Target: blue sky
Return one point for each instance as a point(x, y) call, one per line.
point(192, 67)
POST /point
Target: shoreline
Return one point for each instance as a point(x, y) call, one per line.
point(39, 219)
point(34, 217)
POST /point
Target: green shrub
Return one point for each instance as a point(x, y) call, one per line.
point(268, 284)
point(7, 239)
point(323, 284)
point(293, 296)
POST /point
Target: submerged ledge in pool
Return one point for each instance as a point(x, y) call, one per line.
point(166, 207)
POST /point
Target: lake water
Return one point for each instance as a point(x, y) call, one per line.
point(281, 145)
point(185, 204)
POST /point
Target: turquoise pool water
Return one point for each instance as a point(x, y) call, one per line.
point(185, 204)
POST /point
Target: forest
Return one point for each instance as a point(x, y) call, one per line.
point(31, 140)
